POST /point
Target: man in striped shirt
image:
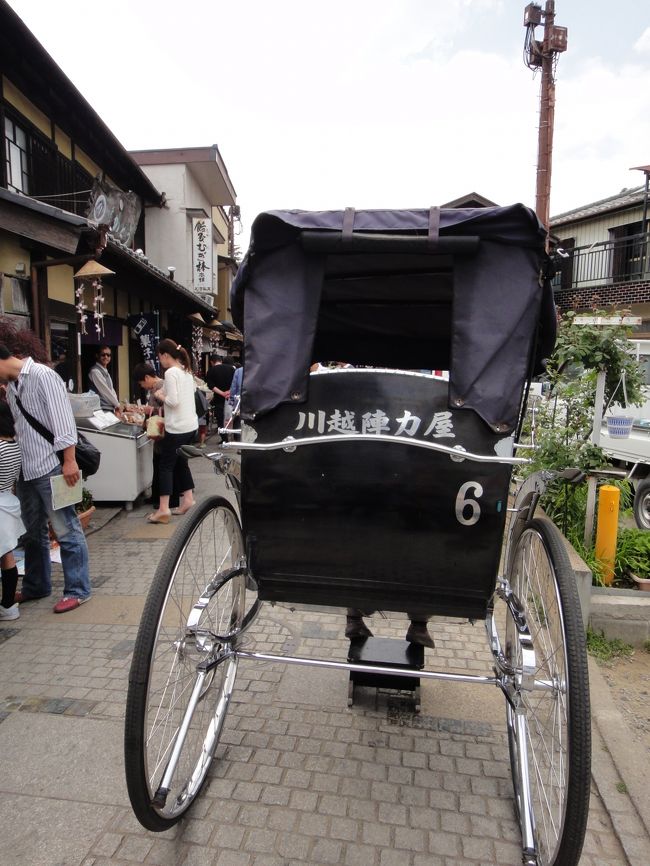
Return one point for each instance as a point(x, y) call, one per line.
point(37, 390)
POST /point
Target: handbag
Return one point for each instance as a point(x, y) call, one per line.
point(200, 403)
point(87, 456)
point(155, 428)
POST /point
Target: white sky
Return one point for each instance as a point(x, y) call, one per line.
point(363, 103)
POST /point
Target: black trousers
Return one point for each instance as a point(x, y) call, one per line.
point(173, 470)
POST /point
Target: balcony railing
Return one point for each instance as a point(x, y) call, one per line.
point(603, 263)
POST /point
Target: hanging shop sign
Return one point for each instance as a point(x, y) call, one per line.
point(120, 211)
point(143, 327)
point(202, 255)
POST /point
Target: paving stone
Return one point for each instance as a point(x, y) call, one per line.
point(134, 848)
point(227, 835)
point(293, 846)
point(326, 851)
point(107, 844)
point(294, 784)
point(361, 855)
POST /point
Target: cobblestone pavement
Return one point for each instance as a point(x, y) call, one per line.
point(301, 778)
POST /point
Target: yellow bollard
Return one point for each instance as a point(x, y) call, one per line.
point(607, 529)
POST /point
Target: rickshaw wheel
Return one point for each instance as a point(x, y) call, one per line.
point(167, 652)
point(557, 720)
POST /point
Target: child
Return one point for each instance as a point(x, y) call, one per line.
point(11, 525)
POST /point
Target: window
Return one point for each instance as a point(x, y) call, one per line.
point(629, 252)
point(16, 158)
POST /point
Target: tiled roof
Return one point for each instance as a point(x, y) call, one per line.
point(624, 199)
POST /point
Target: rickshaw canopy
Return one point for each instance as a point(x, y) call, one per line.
point(459, 289)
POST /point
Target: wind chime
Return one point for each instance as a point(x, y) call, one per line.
point(90, 275)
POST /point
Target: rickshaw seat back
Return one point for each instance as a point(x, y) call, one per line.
point(376, 526)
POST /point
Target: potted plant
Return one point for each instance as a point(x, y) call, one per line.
point(85, 508)
point(633, 556)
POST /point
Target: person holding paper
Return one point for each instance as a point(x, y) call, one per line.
point(37, 398)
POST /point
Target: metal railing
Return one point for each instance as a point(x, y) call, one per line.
point(606, 262)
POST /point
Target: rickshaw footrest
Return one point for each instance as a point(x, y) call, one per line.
point(385, 652)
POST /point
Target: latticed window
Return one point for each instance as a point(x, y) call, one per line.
point(16, 157)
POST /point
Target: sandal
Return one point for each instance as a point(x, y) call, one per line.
point(160, 518)
point(178, 512)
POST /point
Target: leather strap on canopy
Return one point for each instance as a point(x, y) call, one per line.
point(348, 225)
point(434, 227)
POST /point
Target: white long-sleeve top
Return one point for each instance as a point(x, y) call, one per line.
point(180, 409)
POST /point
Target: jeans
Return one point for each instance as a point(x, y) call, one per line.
point(36, 507)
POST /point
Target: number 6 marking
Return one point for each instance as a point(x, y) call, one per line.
point(462, 503)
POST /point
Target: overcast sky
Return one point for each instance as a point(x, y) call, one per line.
point(363, 103)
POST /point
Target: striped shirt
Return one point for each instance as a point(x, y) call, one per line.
point(42, 393)
point(9, 464)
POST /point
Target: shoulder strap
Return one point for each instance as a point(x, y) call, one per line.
point(40, 428)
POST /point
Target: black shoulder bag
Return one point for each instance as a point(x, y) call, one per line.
point(86, 455)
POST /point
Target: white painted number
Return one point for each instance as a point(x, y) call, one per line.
point(463, 503)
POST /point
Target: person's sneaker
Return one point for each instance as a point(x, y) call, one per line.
point(68, 603)
point(7, 613)
point(21, 599)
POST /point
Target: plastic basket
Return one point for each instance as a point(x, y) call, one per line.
point(84, 405)
point(619, 426)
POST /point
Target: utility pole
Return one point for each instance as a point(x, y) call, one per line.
point(543, 54)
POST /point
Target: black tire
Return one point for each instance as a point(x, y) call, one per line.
point(558, 721)
point(642, 504)
point(208, 544)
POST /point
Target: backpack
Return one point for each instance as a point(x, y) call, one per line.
point(200, 403)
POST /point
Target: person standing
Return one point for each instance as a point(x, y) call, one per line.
point(11, 525)
point(219, 379)
point(101, 382)
point(148, 379)
point(36, 391)
point(181, 424)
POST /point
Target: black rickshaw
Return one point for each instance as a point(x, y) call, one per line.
point(377, 485)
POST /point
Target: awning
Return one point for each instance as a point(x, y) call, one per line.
point(28, 218)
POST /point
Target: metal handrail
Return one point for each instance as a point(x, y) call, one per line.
point(290, 444)
point(609, 261)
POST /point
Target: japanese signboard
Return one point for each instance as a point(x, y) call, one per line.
point(143, 327)
point(202, 255)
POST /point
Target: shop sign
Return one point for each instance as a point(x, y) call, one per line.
point(143, 327)
point(202, 255)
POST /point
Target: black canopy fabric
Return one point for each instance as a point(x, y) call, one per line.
point(465, 293)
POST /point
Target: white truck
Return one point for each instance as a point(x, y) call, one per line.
point(633, 453)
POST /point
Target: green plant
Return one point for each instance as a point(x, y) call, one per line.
point(607, 650)
point(598, 347)
point(86, 501)
point(633, 553)
point(563, 423)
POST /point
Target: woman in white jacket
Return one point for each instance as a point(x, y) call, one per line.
point(181, 425)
